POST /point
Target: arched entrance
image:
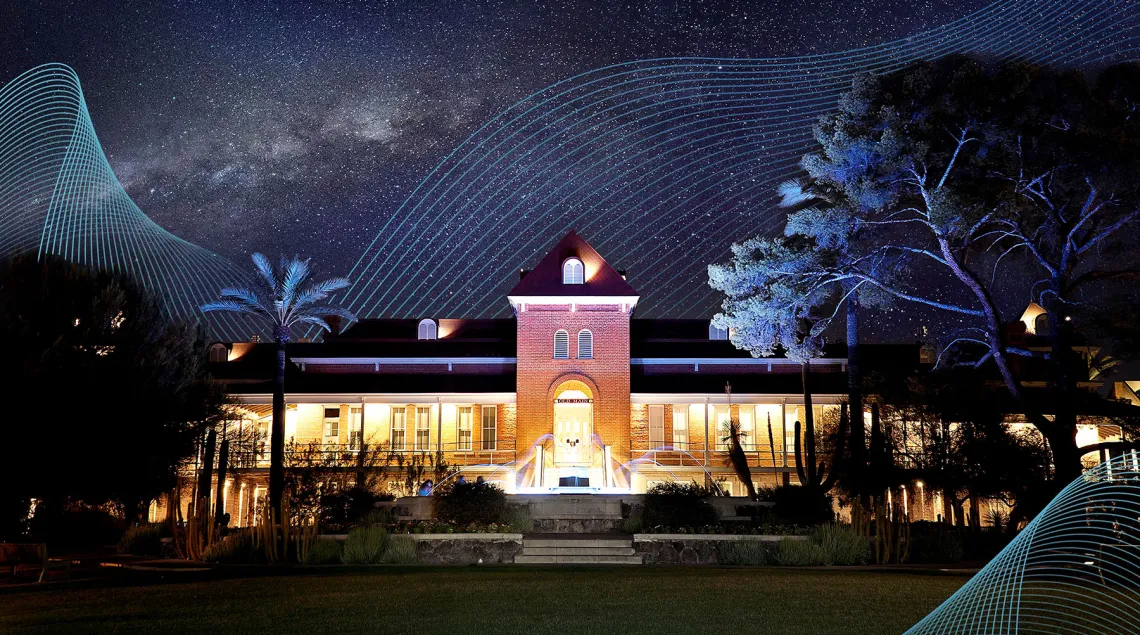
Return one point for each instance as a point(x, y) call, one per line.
point(573, 425)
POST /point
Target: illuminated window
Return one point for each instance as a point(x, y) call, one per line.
point(585, 344)
point(423, 428)
point(332, 426)
point(748, 427)
point(561, 344)
point(399, 428)
point(717, 333)
point(463, 424)
point(681, 427)
point(722, 419)
point(490, 425)
point(427, 330)
point(355, 433)
point(656, 426)
point(573, 272)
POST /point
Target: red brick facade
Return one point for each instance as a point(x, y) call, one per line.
point(607, 374)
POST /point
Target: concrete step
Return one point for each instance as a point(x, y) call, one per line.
point(525, 559)
point(577, 551)
point(589, 543)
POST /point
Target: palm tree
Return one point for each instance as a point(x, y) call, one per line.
point(284, 299)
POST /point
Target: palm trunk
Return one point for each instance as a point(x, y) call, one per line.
point(277, 435)
point(809, 425)
point(855, 396)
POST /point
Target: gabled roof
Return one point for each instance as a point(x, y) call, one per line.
point(546, 277)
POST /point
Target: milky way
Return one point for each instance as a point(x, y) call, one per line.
point(294, 128)
point(291, 127)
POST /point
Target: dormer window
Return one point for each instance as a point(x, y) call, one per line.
point(717, 333)
point(427, 330)
point(219, 353)
point(573, 272)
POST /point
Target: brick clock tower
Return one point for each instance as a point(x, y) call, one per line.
point(573, 311)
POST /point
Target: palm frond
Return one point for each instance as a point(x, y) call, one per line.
point(230, 305)
point(294, 273)
point(320, 290)
point(247, 296)
point(792, 193)
point(314, 319)
point(265, 268)
point(321, 313)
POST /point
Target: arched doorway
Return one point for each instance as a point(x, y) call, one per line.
point(573, 425)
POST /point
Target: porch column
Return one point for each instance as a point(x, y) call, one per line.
point(706, 415)
point(439, 425)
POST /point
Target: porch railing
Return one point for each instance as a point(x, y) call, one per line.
point(344, 455)
point(692, 454)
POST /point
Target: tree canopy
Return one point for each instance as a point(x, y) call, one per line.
point(109, 394)
point(966, 187)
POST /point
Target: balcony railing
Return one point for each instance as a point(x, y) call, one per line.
point(376, 455)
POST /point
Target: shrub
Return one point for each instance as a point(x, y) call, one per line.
point(346, 507)
point(365, 545)
point(143, 540)
point(801, 505)
point(800, 553)
point(400, 550)
point(842, 545)
point(375, 516)
point(936, 548)
point(236, 548)
point(747, 552)
point(517, 519)
point(471, 503)
point(76, 526)
point(678, 505)
point(828, 545)
point(634, 523)
point(325, 551)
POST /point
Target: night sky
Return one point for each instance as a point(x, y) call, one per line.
point(301, 127)
point(296, 127)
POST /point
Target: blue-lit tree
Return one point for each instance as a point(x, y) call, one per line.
point(285, 298)
point(947, 185)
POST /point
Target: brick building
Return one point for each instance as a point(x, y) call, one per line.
point(570, 394)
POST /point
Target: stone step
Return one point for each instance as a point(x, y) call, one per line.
point(525, 559)
point(577, 551)
point(589, 543)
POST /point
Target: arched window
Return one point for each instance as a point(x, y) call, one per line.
point(573, 272)
point(717, 333)
point(427, 330)
point(585, 344)
point(219, 353)
point(561, 344)
point(1041, 325)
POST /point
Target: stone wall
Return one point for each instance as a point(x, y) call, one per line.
point(465, 549)
point(691, 548)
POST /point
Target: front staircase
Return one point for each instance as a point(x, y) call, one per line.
point(577, 549)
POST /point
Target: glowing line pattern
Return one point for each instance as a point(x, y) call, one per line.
point(1074, 569)
point(59, 196)
point(662, 163)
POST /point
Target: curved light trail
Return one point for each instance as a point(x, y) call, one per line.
point(662, 163)
point(59, 196)
point(659, 163)
point(1072, 570)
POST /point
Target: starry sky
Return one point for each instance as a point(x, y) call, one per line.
point(293, 127)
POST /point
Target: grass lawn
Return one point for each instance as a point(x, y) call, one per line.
point(580, 601)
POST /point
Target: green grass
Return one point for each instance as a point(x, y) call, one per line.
point(625, 601)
